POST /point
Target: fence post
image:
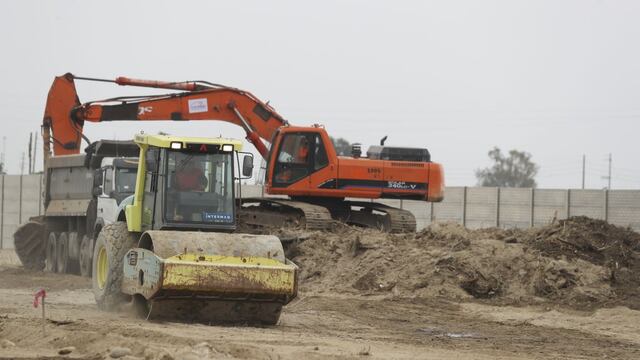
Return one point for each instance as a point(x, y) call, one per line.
point(568, 204)
point(531, 207)
point(40, 195)
point(498, 207)
point(605, 205)
point(20, 203)
point(464, 206)
point(431, 214)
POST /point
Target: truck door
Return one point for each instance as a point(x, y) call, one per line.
point(107, 206)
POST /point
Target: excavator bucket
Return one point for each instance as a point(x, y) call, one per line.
point(210, 277)
point(58, 126)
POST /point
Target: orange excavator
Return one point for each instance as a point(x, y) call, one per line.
point(302, 162)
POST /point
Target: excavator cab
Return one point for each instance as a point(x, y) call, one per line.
point(299, 155)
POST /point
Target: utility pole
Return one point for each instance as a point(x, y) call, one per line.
point(22, 164)
point(609, 177)
point(30, 155)
point(584, 160)
point(4, 150)
point(35, 147)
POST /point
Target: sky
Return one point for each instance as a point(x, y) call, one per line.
point(558, 79)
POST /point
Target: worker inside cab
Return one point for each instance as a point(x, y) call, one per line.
point(189, 175)
point(293, 159)
point(187, 184)
point(303, 151)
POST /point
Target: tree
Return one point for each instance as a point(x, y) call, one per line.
point(342, 146)
point(515, 170)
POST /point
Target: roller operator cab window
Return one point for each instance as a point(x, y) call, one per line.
point(199, 188)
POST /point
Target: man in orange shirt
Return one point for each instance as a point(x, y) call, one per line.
point(190, 177)
point(303, 151)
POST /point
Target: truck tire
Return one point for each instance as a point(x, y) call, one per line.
point(51, 262)
point(84, 257)
point(112, 244)
point(62, 253)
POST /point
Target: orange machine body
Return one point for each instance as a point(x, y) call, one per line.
point(324, 174)
point(301, 162)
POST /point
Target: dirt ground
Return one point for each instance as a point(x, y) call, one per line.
point(565, 291)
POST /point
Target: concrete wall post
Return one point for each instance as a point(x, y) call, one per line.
point(464, 206)
point(497, 206)
point(531, 207)
point(605, 205)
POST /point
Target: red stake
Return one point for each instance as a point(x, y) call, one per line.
point(40, 294)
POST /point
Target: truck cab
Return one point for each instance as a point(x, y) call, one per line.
point(114, 181)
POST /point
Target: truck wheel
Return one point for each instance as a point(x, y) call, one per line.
point(63, 253)
point(52, 253)
point(112, 244)
point(84, 257)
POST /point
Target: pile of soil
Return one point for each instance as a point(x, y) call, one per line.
point(579, 262)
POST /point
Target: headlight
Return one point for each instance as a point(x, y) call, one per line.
point(227, 147)
point(176, 145)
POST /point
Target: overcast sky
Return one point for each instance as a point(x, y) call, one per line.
point(558, 79)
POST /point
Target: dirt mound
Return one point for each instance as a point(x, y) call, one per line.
point(594, 264)
point(593, 240)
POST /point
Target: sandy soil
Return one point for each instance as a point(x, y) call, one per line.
point(444, 293)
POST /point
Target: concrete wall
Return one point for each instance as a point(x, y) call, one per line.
point(20, 199)
point(474, 207)
point(481, 207)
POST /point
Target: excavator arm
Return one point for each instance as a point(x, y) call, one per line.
point(65, 115)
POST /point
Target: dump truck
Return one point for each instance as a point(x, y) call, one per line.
point(174, 253)
point(82, 194)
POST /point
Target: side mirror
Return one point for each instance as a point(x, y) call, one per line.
point(98, 177)
point(97, 190)
point(247, 165)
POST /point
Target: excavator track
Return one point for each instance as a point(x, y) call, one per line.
point(394, 220)
point(284, 212)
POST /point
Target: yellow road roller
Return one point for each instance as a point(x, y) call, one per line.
point(174, 252)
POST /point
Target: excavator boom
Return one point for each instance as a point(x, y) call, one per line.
point(65, 116)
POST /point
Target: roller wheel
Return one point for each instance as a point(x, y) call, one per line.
point(112, 244)
point(85, 256)
point(52, 253)
point(63, 253)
